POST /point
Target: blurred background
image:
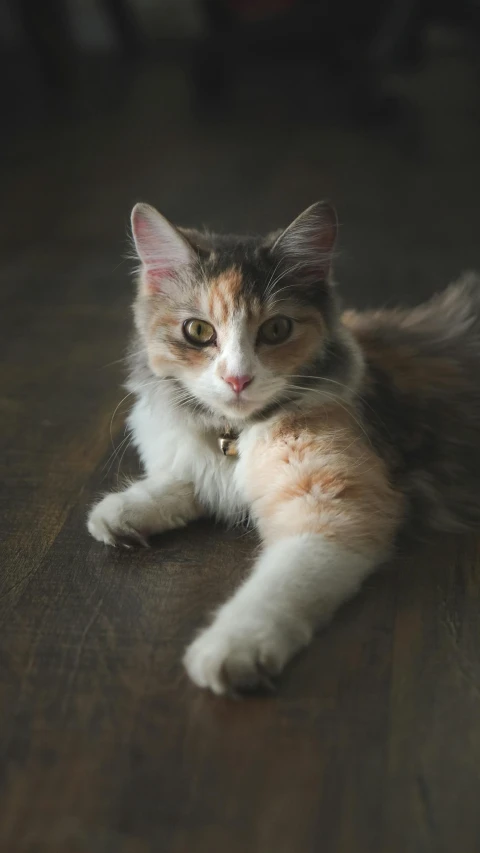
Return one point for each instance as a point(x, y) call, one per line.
point(236, 114)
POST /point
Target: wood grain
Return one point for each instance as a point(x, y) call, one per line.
point(373, 740)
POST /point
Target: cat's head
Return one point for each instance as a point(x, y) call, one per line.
point(242, 324)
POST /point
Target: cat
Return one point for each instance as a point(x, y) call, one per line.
point(347, 428)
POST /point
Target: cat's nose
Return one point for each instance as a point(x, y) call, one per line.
point(238, 383)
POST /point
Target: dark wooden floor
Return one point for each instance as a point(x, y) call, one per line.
point(373, 741)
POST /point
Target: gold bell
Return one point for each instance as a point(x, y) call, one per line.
point(228, 444)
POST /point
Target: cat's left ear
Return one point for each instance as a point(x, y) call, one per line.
point(160, 246)
point(308, 243)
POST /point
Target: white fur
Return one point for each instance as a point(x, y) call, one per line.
point(297, 585)
point(146, 507)
point(174, 448)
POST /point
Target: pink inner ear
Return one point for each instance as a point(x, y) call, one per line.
point(156, 271)
point(141, 226)
point(155, 276)
point(160, 248)
point(146, 239)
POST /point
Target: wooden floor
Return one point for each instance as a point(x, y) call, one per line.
point(373, 740)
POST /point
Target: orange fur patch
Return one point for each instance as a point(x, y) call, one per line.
point(319, 474)
point(166, 345)
point(223, 295)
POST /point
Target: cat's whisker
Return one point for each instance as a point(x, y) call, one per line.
point(127, 445)
point(271, 277)
point(130, 393)
point(319, 378)
point(288, 271)
point(322, 379)
point(290, 286)
point(113, 456)
point(115, 412)
point(126, 358)
point(249, 531)
point(338, 402)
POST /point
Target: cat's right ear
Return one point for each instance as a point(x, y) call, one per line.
point(160, 247)
point(307, 245)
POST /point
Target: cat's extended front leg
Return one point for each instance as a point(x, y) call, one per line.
point(328, 515)
point(296, 586)
point(148, 506)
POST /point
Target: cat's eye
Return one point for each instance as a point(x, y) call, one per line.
point(276, 330)
point(199, 332)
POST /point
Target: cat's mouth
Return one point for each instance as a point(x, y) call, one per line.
point(243, 408)
point(243, 405)
point(236, 407)
point(239, 407)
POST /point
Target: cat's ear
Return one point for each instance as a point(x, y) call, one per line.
point(160, 247)
point(307, 245)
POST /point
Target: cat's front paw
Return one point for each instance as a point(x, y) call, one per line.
point(116, 521)
point(231, 657)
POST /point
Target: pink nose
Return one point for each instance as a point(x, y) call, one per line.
point(238, 383)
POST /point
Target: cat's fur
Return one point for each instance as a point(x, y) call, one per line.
point(357, 427)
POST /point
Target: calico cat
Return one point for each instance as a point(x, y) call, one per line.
point(333, 433)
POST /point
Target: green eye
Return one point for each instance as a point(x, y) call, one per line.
point(276, 330)
point(199, 332)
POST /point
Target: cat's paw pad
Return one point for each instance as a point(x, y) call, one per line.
point(115, 522)
point(230, 660)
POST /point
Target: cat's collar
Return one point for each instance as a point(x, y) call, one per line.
point(227, 442)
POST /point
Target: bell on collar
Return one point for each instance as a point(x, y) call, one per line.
point(228, 444)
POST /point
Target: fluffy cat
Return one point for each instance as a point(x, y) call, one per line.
point(349, 428)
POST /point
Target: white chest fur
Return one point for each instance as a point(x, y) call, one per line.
point(170, 447)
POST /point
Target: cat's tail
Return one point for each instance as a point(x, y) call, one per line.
point(452, 315)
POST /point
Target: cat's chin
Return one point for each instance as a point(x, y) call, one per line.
point(239, 409)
